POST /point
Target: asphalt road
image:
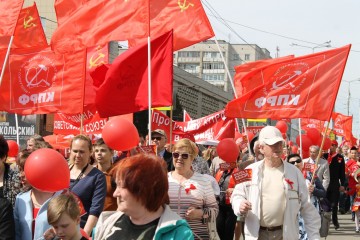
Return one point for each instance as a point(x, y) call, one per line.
point(346, 230)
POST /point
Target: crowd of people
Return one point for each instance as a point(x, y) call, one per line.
point(185, 192)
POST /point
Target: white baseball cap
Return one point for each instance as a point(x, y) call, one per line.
point(270, 135)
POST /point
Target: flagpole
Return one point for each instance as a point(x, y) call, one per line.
point(17, 129)
point(149, 74)
point(149, 87)
point(171, 122)
point(320, 152)
point(83, 98)
point(300, 138)
point(235, 94)
point(6, 58)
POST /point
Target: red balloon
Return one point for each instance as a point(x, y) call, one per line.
point(120, 134)
point(13, 148)
point(290, 143)
point(282, 126)
point(227, 150)
point(294, 149)
point(306, 142)
point(327, 144)
point(314, 135)
point(305, 154)
point(47, 170)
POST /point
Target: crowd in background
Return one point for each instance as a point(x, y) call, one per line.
point(182, 193)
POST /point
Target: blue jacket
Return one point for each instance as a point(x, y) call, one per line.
point(23, 216)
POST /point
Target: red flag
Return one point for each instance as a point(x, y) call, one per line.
point(28, 30)
point(39, 81)
point(66, 8)
point(186, 116)
point(302, 87)
point(342, 125)
point(87, 27)
point(8, 17)
point(312, 123)
point(246, 71)
point(125, 88)
point(186, 18)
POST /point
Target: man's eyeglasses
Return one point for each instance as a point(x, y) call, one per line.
point(183, 155)
point(157, 138)
point(296, 161)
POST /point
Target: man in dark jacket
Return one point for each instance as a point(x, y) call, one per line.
point(337, 174)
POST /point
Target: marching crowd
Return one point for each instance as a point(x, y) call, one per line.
point(182, 193)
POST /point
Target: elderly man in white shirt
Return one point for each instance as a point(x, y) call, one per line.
point(273, 198)
point(322, 171)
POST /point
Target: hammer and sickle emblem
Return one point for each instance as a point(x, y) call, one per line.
point(97, 61)
point(28, 22)
point(183, 5)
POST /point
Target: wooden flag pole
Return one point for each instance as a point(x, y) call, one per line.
point(320, 153)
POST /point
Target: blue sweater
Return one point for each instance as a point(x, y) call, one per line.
point(91, 190)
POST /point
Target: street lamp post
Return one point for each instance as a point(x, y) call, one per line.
point(321, 45)
point(349, 93)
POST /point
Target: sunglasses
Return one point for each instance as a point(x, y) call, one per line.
point(157, 138)
point(183, 155)
point(297, 161)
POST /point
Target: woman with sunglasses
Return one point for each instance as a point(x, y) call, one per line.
point(191, 194)
point(316, 191)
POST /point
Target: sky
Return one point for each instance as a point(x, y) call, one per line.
point(282, 23)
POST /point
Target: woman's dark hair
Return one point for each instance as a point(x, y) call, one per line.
point(4, 147)
point(292, 155)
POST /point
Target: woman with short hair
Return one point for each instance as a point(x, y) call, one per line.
point(191, 194)
point(143, 213)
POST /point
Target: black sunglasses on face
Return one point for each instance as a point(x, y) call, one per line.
point(157, 138)
point(183, 155)
point(297, 161)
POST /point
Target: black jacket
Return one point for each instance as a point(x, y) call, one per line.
point(7, 225)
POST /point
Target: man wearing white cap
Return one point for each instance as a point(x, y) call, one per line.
point(273, 198)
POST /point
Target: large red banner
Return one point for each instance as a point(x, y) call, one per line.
point(302, 87)
point(212, 127)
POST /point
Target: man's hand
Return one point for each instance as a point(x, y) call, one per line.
point(245, 206)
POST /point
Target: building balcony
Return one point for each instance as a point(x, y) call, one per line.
point(207, 71)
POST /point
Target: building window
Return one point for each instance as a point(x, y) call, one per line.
point(213, 54)
point(247, 57)
point(189, 54)
point(213, 77)
point(217, 65)
point(236, 56)
point(189, 66)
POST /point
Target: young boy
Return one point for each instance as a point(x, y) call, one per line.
point(63, 215)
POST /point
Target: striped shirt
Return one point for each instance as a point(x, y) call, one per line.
point(182, 196)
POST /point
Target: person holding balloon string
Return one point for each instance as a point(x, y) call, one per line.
point(10, 184)
point(30, 213)
point(86, 181)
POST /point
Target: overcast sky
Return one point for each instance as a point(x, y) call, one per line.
point(281, 23)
